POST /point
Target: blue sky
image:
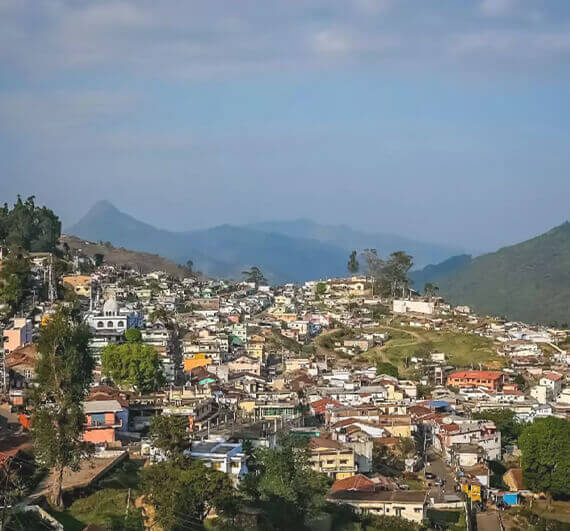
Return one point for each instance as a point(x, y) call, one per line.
point(436, 119)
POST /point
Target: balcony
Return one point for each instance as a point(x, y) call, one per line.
point(94, 425)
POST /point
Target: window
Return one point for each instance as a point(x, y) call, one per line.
point(100, 324)
point(120, 324)
point(28, 374)
point(109, 324)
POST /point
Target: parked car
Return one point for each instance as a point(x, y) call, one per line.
point(429, 475)
point(438, 482)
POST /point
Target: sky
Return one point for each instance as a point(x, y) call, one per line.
point(441, 120)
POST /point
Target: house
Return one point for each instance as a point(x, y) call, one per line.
point(410, 504)
point(101, 421)
point(490, 379)
point(79, 284)
point(245, 364)
point(17, 334)
point(553, 383)
point(21, 366)
point(466, 454)
point(220, 455)
point(331, 458)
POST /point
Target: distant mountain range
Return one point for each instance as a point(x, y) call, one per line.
point(529, 281)
point(286, 251)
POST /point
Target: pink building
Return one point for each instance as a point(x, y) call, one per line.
point(17, 334)
point(101, 421)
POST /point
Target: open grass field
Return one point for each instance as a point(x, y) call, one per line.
point(461, 349)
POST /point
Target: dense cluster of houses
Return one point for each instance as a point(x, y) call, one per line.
point(245, 362)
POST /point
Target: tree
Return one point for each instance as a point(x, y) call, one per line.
point(430, 289)
point(134, 365)
point(506, 422)
point(545, 446)
point(14, 279)
point(170, 434)
point(390, 275)
point(133, 335)
point(28, 226)
point(163, 315)
point(384, 367)
point(184, 491)
point(385, 462)
point(63, 375)
point(284, 484)
point(254, 275)
point(98, 258)
point(321, 288)
point(190, 265)
point(352, 266)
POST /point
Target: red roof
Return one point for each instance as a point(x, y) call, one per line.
point(486, 375)
point(359, 483)
point(554, 376)
point(320, 406)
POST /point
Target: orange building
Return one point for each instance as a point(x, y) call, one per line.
point(101, 420)
point(199, 360)
point(490, 379)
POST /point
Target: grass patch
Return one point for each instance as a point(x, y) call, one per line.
point(105, 508)
point(461, 349)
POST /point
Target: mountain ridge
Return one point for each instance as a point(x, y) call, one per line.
point(225, 250)
point(528, 281)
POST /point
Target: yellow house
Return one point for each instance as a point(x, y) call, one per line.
point(332, 458)
point(79, 284)
point(396, 425)
point(255, 347)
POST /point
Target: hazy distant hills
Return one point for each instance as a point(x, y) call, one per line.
point(285, 251)
point(348, 239)
point(529, 281)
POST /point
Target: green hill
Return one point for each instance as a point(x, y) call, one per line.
point(529, 281)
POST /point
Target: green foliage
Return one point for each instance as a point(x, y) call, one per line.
point(170, 434)
point(28, 226)
point(545, 446)
point(254, 275)
point(527, 282)
point(506, 422)
point(98, 257)
point(389, 523)
point(430, 289)
point(352, 266)
point(133, 335)
point(14, 279)
point(385, 461)
point(389, 275)
point(184, 490)
point(321, 288)
point(63, 375)
point(283, 484)
point(106, 508)
point(133, 365)
point(383, 367)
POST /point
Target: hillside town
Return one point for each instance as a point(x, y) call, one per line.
point(407, 406)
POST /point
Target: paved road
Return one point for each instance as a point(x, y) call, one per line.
point(437, 466)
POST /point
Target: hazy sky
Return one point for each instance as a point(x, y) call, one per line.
point(444, 120)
